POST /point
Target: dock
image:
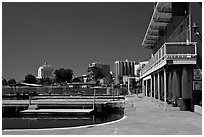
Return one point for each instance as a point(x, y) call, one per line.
point(63, 105)
point(53, 102)
point(57, 111)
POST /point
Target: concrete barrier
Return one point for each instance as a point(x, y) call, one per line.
point(198, 109)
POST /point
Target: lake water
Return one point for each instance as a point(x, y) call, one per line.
point(39, 122)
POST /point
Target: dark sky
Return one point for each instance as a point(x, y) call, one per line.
point(71, 35)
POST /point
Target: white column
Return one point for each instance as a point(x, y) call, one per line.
point(146, 88)
point(129, 85)
point(151, 88)
point(165, 89)
point(154, 87)
point(158, 78)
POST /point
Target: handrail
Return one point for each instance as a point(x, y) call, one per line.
point(161, 55)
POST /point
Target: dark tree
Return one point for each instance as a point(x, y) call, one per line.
point(63, 75)
point(120, 79)
point(76, 80)
point(134, 84)
point(44, 81)
point(4, 82)
point(12, 81)
point(96, 73)
point(30, 79)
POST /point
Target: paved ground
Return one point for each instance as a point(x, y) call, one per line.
point(143, 117)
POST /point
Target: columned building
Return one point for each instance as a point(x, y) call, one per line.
point(173, 74)
point(124, 68)
point(45, 71)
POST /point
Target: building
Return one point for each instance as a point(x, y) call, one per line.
point(124, 68)
point(138, 68)
point(45, 71)
point(173, 74)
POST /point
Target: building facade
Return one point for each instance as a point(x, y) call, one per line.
point(45, 71)
point(173, 74)
point(138, 68)
point(124, 68)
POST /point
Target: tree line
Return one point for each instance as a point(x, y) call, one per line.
point(61, 75)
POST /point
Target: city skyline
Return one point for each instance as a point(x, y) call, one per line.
point(71, 35)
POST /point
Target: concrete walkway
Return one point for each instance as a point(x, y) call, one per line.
point(143, 117)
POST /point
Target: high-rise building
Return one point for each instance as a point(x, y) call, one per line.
point(45, 71)
point(124, 68)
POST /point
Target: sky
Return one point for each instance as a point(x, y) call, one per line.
point(71, 35)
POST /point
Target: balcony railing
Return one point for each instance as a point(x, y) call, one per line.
point(171, 53)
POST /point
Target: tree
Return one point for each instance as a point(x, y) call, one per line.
point(12, 81)
point(30, 79)
point(63, 75)
point(134, 84)
point(120, 79)
point(4, 82)
point(44, 81)
point(96, 73)
point(76, 80)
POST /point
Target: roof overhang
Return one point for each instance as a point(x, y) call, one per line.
point(161, 17)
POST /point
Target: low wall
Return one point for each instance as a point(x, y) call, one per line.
point(56, 90)
point(198, 109)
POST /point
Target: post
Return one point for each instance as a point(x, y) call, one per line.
point(158, 79)
point(128, 85)
point(112, 91)
point(151, 87)
point(165, 89)
point(29, 100)
point(117, 93)
point(146, 88)
point(154, 87)
point(94, 99)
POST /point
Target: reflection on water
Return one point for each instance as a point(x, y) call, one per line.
point(37, 122)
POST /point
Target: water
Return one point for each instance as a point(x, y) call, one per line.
point(56, 121)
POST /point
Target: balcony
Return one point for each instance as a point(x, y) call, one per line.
point(171, 53)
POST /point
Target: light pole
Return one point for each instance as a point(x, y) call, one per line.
point(196, 31)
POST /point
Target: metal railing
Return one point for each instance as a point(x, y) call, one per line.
point(170, 51)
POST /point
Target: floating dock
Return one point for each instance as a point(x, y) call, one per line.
point(57, 105)
point(57, 111)
point(53, 102)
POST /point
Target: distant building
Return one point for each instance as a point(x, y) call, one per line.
point(138, 68)
point(45, 71)
point(124, 68)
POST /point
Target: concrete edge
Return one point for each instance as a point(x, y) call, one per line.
point(65, 128)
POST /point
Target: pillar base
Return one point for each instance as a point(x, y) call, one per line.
point(185, 105)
